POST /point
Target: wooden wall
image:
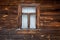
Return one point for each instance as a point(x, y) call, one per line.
point(49, 21)
point(49, 16)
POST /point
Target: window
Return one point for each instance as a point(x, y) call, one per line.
point(28, 17)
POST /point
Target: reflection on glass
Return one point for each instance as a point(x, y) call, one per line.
point(33, 21)
point(29, 10)
point(24, 21)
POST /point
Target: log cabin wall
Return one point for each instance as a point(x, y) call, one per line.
point(49, 21)
point(49, 11)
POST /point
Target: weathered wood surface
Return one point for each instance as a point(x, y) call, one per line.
point(49, 21)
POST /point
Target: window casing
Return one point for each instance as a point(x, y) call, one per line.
point(27, 16)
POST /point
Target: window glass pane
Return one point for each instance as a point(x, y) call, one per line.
point(33, 21)
point(24, 21)
point(28, 9)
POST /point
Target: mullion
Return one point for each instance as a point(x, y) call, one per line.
point(28, 21)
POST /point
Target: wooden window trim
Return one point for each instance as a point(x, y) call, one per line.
point(37, 14)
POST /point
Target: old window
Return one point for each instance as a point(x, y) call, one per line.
point(28, 16)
